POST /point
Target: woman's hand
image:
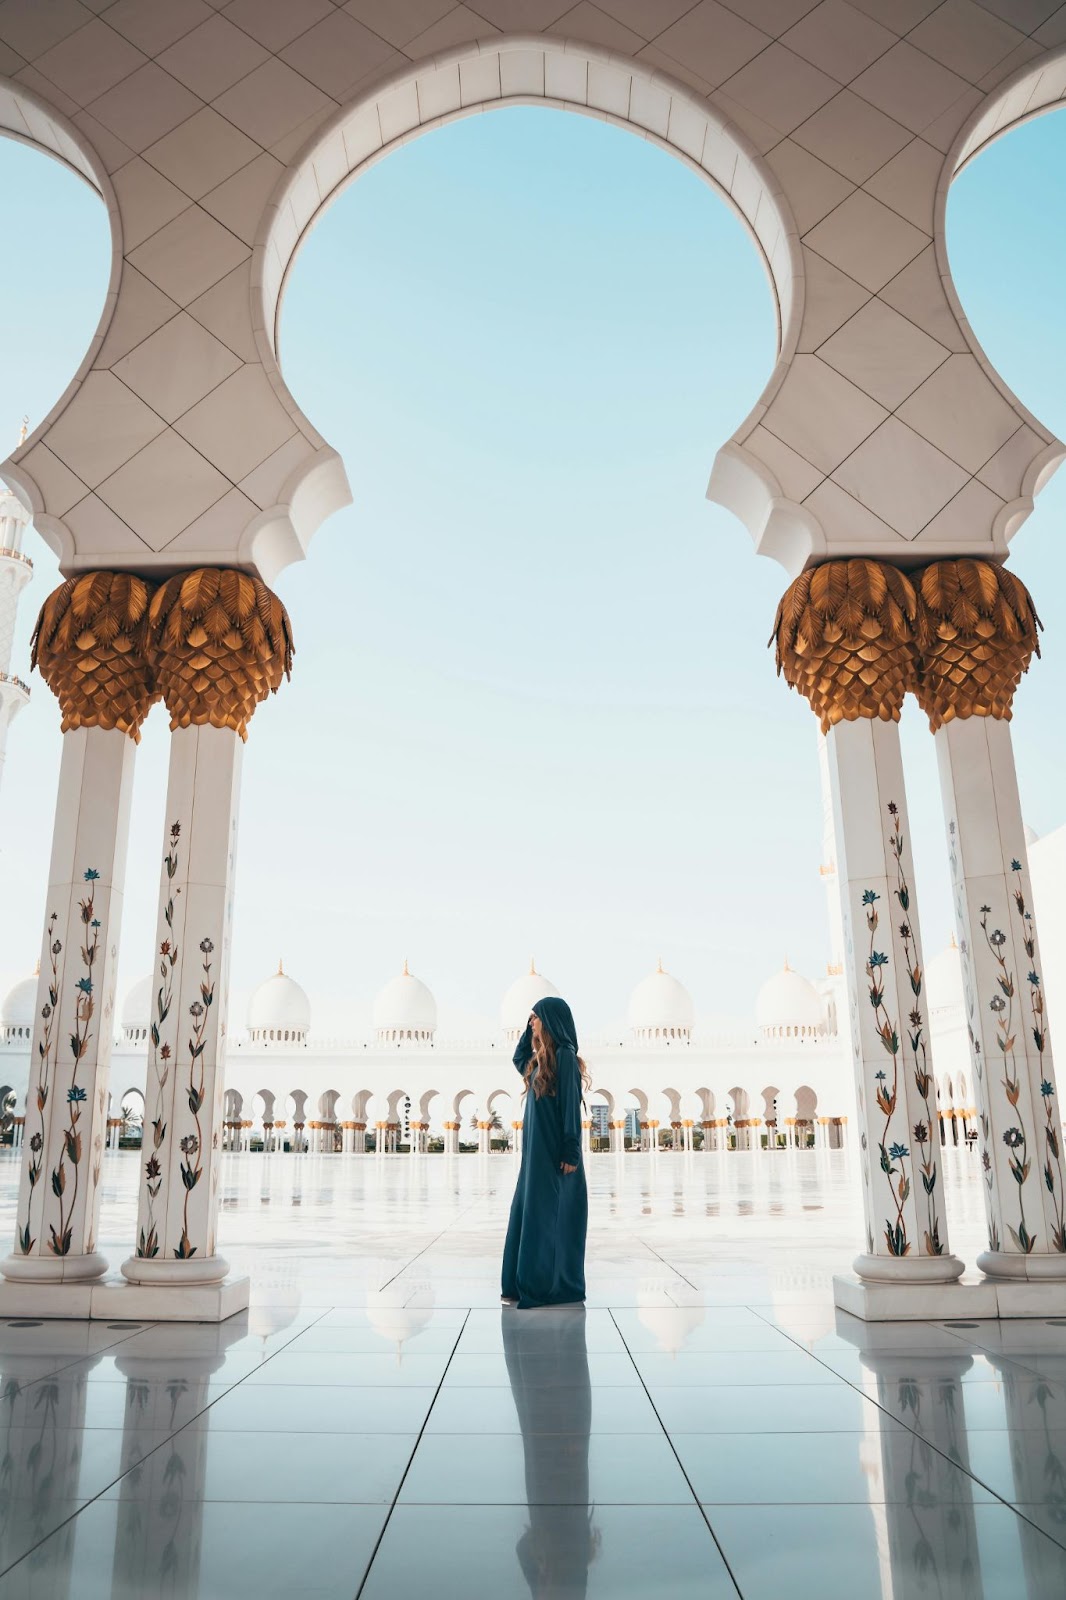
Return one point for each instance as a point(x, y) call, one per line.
point(564, 1167)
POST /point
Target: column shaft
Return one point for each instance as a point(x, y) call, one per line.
point(1003, 982)
point(58, 1203)
point(178, 1203)
point(906, 1229)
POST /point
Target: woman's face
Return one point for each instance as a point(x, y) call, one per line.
point(538, 1030)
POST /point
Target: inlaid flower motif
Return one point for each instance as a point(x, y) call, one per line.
point(997, 937)
point(206, 946)
point(904, 930)
point(997, 1003)
point(1047, 1089)
point(190, 1144)
point(897, 1152)
point(36, 1142)
point(1016, 865)
point(76, 1094)
point(878, 959)
point(1013, 1138)
point(986, 1160)
point(921, 1133)
point(152, 1168)
point(869, 896)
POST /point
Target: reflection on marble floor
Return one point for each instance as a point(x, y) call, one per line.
point(377, 1426)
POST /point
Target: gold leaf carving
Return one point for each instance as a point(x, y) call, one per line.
point(89, 647)
point(845, 638)
point(978, 631)
point(219, 642)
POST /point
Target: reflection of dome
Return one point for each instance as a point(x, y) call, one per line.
point(405, 1011)
point(788, 1007)
point(661, 1009)
point(943, 980)
point(395, 1322)
point(137, 1011)
point(19, 1009)
point(520, 999)
point(669, 1324)
point(279, 1011)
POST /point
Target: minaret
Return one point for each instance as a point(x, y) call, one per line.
point(16, 569)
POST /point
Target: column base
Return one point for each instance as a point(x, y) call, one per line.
point(55, 1270)
point(973, 1299)
point(152, 1272)
point(117, 1301)
point(908, 1270)
point(1017, 1268)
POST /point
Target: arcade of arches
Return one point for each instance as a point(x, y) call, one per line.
point(885, 467)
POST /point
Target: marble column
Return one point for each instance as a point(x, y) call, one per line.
point(219, 642)
point(846, 635)
point(89, 648)
point(980, 634)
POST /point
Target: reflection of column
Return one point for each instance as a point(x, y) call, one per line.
point(546, 1360)
point(1034, 1411)
point(929, 1522)
point(42, 1419)
point(981, 631)
point(89, 647)
point(219, 642)
point(846, 638)
point(159, 1528)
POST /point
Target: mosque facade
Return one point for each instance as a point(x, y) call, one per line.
point(664, 1081)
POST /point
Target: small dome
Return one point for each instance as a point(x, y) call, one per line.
point(1031, 835)
point(279, 1011)
point(943, 980)
point(788, 1006)
point(19, 1009)
point(661, 1009)
point(520, 999)
point(405, 1011)
point(137, 1010)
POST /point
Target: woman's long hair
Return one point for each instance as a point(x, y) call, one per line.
point(542, 1067)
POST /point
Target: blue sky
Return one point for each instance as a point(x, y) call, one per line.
point(533, 710)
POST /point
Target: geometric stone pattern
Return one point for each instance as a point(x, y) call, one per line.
point(216, 132)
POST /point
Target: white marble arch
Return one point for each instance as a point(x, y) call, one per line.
point(484, 75)
point(883, 430)
point(27, 117)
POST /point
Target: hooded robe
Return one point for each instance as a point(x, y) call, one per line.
point(544, 1254)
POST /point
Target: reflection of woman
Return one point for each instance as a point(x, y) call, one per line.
point(548, 1368)
point(544, 1255)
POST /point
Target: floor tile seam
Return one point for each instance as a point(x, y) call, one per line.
point(428, 1246)
point(681, 1466)
point(407, 1468)
point(924, 1439)
point(669, 1265)
point(77, 1360)
point(171, 1436)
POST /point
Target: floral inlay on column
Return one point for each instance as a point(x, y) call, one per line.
point(1002, 1007)
point(162, 1050)
point(1038, 1028)
point(46, 1048)
point(192, 1143)
point(893, 1152)
point(71, 1150)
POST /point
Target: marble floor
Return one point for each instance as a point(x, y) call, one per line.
point(377, 1426)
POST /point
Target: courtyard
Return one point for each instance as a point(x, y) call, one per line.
point(374, 1425)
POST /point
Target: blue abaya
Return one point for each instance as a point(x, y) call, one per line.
point(544, 1254)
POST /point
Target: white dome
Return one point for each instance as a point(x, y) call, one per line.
point(279, 1011)
point(520, 999)
point(661, 1008)
point(943, 980)
point(137, 1009)
point(405, 1010)
point(1031, 835)
point(788, 1006)
point(19, 1009)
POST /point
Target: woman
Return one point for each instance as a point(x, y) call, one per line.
point(544, 1256)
